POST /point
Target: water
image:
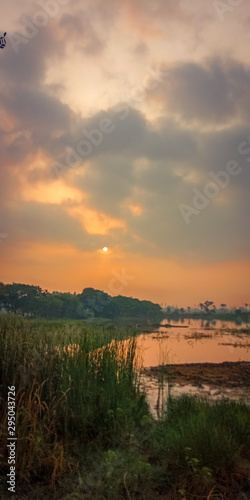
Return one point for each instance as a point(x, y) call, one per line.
point(192, 341)
point(199, 342)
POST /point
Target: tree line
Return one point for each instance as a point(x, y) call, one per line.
point(32, 301)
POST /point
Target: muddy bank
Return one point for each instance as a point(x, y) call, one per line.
point(230, 374)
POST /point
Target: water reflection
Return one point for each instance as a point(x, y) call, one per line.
point(201, 341)
point(192, 341)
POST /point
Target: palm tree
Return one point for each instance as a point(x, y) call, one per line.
point(207, 304)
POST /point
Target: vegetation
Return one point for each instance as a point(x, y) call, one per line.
point(237, 316)
point(84, 429)
point(32, 301)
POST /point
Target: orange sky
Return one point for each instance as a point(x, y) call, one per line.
point(129, 275)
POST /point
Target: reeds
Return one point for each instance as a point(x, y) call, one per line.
point(73, 385)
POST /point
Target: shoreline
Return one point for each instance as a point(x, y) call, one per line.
point(229, 373)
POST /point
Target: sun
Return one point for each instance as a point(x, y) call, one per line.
point(105, 249)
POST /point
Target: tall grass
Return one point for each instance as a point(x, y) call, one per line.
point(83, 426)
point(73, 386)
point(208, 443)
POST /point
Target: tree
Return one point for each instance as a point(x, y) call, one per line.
point(207, 305)
point(32, 300)
point(98, 303)
point(23, 298)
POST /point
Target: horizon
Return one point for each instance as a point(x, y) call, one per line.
point(125, 148)
point(162, 304)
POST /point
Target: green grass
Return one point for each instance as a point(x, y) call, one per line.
point(84, 430)
point(207, 441)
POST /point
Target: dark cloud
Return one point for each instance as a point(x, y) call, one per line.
point(214, 92)
point(108, 182)
point(36, 110)
point(28, 65)
point(38, 116)
point(133, 136)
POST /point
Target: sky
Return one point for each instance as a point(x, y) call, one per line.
point(125, 124)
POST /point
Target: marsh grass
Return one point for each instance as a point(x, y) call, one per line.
point(64, 396)
point(84, 430)
point(208, 443)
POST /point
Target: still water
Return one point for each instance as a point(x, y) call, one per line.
point(192, 341)
point(195, 341)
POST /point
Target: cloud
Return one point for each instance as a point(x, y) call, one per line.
point(141, 49)
point(212, 92)
point(36, 116)
point(27, 67)
point(150, 162)
point(36, 110)
point(79, 28)
point(48, 223)
point(150, 18)
point(159, 182)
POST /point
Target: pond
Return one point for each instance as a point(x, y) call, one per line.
point(195, 342)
